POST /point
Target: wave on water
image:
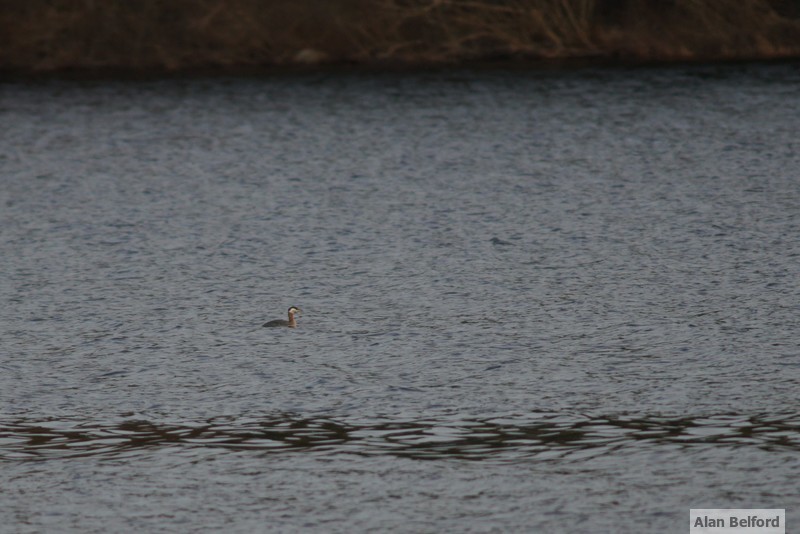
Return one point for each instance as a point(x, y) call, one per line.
point(540, 436)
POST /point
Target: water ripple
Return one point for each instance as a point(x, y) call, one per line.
point(543, 436)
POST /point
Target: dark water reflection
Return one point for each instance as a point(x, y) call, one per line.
point(542, 437)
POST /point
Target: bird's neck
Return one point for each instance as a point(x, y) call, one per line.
point(292, 322)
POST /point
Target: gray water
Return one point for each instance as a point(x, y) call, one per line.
point(540, 302)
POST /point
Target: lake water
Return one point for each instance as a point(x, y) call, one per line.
point(533, 301)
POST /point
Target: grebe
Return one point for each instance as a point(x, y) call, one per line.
point(291, 323)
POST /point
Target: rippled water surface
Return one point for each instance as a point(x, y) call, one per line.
point(547, 302)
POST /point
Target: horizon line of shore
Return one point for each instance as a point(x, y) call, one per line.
point(50, 36)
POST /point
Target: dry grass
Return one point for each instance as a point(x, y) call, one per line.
point(42, 35)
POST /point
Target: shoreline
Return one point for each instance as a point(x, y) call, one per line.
point(40, 38)
point(562, 65)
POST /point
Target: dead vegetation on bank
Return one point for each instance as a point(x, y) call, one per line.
point(46, 35)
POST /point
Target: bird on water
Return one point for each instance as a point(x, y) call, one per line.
point(291, 323)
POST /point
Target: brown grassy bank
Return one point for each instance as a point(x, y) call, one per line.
point(46, 35)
